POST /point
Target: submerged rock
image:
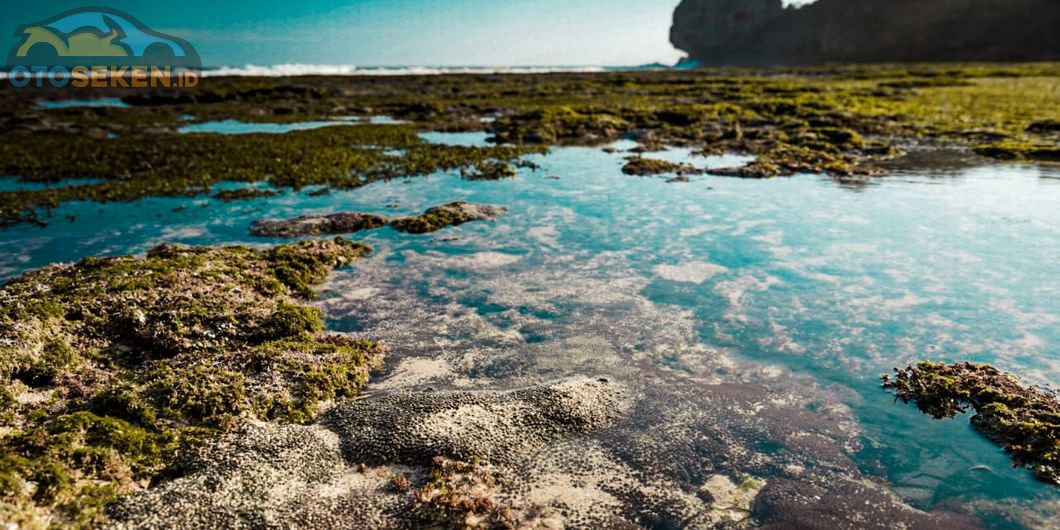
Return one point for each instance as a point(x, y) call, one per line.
point(243, 194)
point(498, 427)
point(452, 214)
point(697, 416)
point(315, 225)
point(270, 476)
point(1024, 420)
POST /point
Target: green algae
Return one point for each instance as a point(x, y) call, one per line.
point(439, 217)
point(836, 120)
point(643, 167)
point(112, 367)
point(190, 164)
point(242, 194)
point(1025, 420)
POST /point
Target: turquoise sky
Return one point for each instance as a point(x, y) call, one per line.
point(399, 32)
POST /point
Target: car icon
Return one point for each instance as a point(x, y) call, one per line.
point(98, 37)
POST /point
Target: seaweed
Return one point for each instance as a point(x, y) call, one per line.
point(835, 120)
point(142, 359)
point(1023, 419)
point(644, 167)
point(150, 165)
point(460, 495)
point(452, 214)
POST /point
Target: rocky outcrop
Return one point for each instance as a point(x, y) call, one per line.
point(314, 476)
point(452, 214)
point(764, 32)
point(1019, 417)
point(434, 219)
point(315, 225)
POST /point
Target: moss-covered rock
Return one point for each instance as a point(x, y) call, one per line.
point(315, 225)
point(837, 120)
point(129, 168)
point(646, 167)
point(1012, 150)
point(1023, 419)
point(111, 367)
point(452, 214)
point(243, 194)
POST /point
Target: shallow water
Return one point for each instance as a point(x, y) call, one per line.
point(15, 184)
point(68, 103)
point(242, 127)
point(684, 284)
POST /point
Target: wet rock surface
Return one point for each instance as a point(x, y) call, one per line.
point(268, 476)
point(111, 367)
point(1023, 419)
point(707, 442)
point(315, 225)
point(569, 453)
point(452, 214)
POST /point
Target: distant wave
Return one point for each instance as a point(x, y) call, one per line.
point(285, 70)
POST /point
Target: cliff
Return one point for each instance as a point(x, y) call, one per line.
point(763, 32)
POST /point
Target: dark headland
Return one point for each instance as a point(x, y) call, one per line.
point(765, 33)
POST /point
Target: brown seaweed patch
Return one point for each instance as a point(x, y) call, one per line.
point(1025, 420)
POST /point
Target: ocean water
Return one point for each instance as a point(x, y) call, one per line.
point(68, 103)
point(242, 127)
point(814, 287)
point(288, 70)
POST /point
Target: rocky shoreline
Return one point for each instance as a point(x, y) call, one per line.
point(841, 121)
point(198, 387)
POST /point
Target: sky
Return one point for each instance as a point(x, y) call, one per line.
point(398, 32)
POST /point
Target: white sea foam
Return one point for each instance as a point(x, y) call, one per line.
point(289, 70)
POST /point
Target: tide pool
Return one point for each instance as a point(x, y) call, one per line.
point(71, 103)
point(811, 283)
point(241, 127)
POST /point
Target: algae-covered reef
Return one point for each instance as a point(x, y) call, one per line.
point(1025, 420)
point(646, 167)
point(315, 225)
point(452, 214)
point(339, 473)
point(434, 219)
point(835, 120)
point(111, 367)
point(191, 164)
